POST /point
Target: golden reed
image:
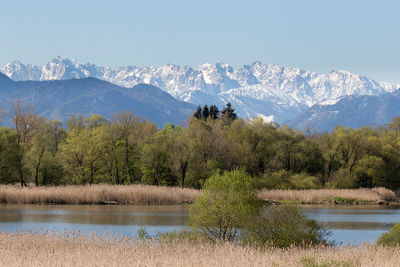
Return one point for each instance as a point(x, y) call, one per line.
point(97, 194)
point(68, 249)
point(161, 195)
point(312, 196)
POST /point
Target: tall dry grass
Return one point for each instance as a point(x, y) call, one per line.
point(311, 196)
point(50, 249)
point(97, 194)
point(159, 195)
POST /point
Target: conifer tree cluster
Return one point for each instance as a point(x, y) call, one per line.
point(205, 112)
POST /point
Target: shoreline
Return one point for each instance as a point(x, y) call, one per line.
point(104, 194)
point(349, 197)
point(99, 194)
point(351, 203)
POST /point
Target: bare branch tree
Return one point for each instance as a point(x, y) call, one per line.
point(25, 120)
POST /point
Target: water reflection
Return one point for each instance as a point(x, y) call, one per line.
point(349, 224)
point(354, 224)
point(85, 214)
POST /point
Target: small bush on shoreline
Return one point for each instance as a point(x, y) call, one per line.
point(229, 210)
point(284, 226)
point(392, 238)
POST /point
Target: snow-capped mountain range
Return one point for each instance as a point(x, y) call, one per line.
point(271, 91)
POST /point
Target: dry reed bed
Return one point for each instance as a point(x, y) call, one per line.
point(312, 196)
point(97, 194)
point(159, 195)
point(50, 249)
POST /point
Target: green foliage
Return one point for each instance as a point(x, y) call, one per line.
point(228, 114)
point(128, 149)
point(157, 158)
point(304, 181)
point(228, 201)
point(342, 178)
point(342, 200)
point(142, 234)
point(229, 205)
point(206, 112)
point(283, 226)
point(40, 157)
point(283, 179)
point(214, 112)
point(369, 172)
point(198, 113)
point(10, 156)
point(392, 238)
point(277, 180)
point(82, 154)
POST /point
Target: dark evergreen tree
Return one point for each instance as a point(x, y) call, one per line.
point(198, 113)
point(206, 112)
point(228, 113)
point(214, 112)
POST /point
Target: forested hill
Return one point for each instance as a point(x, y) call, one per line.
point(59, 99)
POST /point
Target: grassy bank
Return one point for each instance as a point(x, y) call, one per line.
point(330, 196)
point(30, 249)
point(97, 194)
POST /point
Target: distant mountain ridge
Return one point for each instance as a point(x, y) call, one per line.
point(271, 91)
point(59, 99)
point(351, 111)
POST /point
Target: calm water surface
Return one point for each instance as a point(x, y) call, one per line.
point(349, 224)
point(354, 224)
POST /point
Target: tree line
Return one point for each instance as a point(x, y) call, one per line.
point(127, 149)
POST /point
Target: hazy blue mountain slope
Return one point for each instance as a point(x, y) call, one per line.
point(60, 99)
point(351, 111)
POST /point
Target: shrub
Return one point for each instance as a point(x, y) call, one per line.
point(342, 178)
point(229, 210)
point(228, 201)
point(304, 181)
point(392, 238)
point(283, 226)
point(286, 180)
point(277, 180)
point(142, 234)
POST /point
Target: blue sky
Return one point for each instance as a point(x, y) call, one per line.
point(361, 36)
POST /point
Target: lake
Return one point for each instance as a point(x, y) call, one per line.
point(348, 224)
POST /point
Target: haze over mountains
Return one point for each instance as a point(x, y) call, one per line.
point(59, 99)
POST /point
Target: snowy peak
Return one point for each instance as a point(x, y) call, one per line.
point(254, 90)
point(63, 69)
point(218, 76)
point(20, 72)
